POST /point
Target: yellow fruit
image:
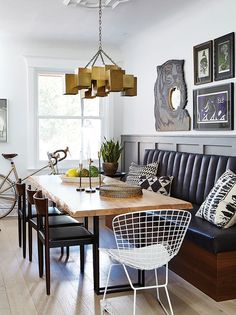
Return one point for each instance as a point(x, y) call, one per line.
point(72, 172)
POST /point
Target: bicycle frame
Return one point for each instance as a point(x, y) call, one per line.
point(8, 196)
point(53, 158)
point(13, 169)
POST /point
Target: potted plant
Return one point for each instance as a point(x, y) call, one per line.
point(111, 151)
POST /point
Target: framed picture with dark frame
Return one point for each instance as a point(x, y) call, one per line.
point(224, 52)
point(203, 63)
point(213, 108)
point(3, 120)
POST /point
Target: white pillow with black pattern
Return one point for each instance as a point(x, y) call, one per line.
point(219, 208)
point(161, 185)
point(135, 171)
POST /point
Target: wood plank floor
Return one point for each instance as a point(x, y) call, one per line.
point(22, 292)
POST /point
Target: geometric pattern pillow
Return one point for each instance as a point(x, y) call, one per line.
point(219, 208)
point(135, 171)
point(161, 185)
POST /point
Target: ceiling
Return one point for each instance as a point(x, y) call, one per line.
point(53, 21)
point(94, 3)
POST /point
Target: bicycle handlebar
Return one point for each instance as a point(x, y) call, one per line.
point(55, 157)
point(56, 154)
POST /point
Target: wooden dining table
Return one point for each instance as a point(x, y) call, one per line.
point(83, 204)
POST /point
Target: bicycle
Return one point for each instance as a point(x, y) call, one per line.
point(7, 186)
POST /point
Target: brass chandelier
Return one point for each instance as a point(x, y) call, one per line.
point(93, 81)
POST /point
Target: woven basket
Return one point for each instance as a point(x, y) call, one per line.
point(114, 191)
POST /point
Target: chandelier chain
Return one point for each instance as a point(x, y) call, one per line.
point(100, 53)
point(100, 24)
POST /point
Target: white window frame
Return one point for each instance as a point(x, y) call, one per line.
point(36, 66)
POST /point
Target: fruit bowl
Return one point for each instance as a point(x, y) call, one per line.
point(84, 180)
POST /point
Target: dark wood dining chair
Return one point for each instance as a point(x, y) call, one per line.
point(56, 219)
point(25, 213)
point(51, 237)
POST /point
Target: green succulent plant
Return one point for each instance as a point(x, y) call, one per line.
point(111, 151)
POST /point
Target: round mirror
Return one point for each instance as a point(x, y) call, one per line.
point(174, 98)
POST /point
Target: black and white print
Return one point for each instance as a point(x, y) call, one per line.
point(203, 58)
point(213, 107)
point(224, 53)
point(161, 185)
point(219, 208)
point(3, 120)
point(203, 63)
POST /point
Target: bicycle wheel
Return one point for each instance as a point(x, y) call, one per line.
point(7, 197)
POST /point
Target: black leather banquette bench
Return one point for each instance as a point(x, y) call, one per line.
point(208, 255)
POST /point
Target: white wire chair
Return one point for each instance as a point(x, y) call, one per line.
point(147, 240)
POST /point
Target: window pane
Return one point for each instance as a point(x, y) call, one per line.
point(57, 134)
point(91, 138)
point(91, 107)
point(51, 100)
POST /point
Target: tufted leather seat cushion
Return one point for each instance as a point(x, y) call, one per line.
point(209, 236)
point(52, 211)
point(194, 177)
point(66, 233)
point(58, 221)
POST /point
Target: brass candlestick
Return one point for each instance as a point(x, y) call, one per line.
point(90, 189)
point(80, 184)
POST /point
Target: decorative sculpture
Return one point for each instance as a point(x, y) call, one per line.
point(171, 97)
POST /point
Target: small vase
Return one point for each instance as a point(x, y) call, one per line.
point(109, 168)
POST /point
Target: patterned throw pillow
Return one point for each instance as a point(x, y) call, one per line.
point(219, 208)
point(161, 185)
point(135, 171)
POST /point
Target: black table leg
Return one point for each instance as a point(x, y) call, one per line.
point(96, 261)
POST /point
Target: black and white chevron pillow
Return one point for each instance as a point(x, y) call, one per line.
point(161, 185)
point(219, 208)
point(135, 171)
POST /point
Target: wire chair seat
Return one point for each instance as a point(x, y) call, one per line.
point(143, 258)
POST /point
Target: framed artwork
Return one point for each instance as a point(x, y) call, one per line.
point(213, 108)
point(224, 52)
point(203, 63)
point(3, 120)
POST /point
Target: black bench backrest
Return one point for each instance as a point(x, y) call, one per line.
point(194, 174)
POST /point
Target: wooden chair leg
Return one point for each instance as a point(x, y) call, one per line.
point(62, 251)
point(67, 252)
point(82, 258)
point(40, 258)
point(19, 230)
point(95, 265)
point(53, 204)
point(30, 241)
point(86, 222)
point(47, 267)
point(24, 237)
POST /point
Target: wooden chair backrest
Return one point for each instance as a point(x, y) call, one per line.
point(20, 189)
point(30, 194)
point(41, 203)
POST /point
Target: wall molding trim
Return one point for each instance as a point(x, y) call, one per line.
point(135, 145)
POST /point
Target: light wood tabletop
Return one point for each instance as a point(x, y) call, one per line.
point(80, 204)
